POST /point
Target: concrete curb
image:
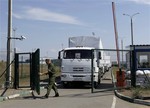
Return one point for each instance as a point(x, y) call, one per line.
point(1, 99)
point(141, 102)
point(129, 99)
point(21, 94)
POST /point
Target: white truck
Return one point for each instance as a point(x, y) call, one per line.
point(76, 60)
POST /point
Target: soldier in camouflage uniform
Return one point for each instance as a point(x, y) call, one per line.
point(51, 81)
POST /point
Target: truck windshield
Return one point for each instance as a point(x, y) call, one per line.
point(77, 54)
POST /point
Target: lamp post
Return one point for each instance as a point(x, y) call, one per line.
point(132, 58)
point(131, 16)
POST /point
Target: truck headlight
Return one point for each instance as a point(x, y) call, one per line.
point(64, 75)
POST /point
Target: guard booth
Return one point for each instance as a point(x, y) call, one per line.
point(142, 57)
point(141, 64)
point(26, 70)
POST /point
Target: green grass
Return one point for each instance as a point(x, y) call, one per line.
point(2, 69)
point(140, 92)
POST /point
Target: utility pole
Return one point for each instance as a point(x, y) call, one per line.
point(8, 65)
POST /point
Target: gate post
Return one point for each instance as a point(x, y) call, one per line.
point(92, 74)
point(133, 69)
point(16, 71)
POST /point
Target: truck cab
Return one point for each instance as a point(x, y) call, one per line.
point(76, 65)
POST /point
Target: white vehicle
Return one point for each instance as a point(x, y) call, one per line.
point(76, 60)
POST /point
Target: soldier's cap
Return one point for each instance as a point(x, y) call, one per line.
point(47, 60)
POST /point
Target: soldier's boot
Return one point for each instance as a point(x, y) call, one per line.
point(56, 95)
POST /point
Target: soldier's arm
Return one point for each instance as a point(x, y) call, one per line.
point(43, 73)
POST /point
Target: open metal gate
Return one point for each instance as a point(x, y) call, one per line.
point(27, 68)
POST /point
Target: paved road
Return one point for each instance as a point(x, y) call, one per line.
point(71, 98)
point(77, 97)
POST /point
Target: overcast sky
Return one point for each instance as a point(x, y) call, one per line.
point(47, 24)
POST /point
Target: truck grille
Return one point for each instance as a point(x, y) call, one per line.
point(78, 69)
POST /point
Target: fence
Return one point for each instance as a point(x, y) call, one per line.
point(121, 72)
point(24, 69)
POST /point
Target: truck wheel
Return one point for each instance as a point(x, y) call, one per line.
point(99, 78)
point(95, 85)
point(65, 84)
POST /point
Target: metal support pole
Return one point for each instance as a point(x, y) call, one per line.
point(122, 51)
point(133, 70)
point(131, 16)
point(8, 72)
point(92, 72)
point(132, 32)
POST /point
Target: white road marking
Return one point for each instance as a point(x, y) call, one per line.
point(114, 102)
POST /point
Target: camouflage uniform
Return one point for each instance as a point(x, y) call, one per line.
point(51, 80)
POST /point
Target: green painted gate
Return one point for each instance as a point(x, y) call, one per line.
point(26, 71)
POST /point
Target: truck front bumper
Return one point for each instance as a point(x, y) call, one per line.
point(67, 77)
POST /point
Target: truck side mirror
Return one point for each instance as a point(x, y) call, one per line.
point(59, 55)
point(92, 54)
point(99, 55)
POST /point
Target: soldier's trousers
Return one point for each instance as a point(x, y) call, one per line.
point(52, 85)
